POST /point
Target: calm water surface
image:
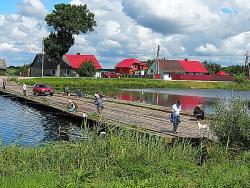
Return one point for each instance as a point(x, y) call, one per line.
point(28, 126)
point(188, 97)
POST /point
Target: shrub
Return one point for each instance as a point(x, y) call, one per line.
point(87, 69)
point(231, 123)
point(240, 79)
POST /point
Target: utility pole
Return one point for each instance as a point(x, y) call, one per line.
point(42, 55)
point(158, 59)
point(247, 68)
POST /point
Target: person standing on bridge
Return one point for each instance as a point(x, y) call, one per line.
point(175, 115)
point(24, 89)
point(99, 102)
point(4, 84)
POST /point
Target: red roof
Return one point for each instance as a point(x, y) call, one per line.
point(76, 60)
point(193, 66)
point(128, 63)
point(222, 73)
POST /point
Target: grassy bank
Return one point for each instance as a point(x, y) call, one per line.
point(130, 83)
point(124, 160)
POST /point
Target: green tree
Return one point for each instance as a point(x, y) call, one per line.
point(212, 67)
point(235, 70)
point(149, 62)
point(87, 69)
point(67, 20)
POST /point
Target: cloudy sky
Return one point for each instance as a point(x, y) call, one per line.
point(214, 30)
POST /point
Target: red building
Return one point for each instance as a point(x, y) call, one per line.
point(131, 67)
point(76, 60)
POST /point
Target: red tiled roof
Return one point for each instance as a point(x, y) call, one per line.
point(76, 60)
point(222, 73)
point(193, 66)
point(128, 63)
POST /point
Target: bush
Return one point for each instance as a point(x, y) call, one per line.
point(231, 124)
point(240, 79)
point(87, 69)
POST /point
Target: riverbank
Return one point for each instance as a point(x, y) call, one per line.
point(92, 84)
point(122, 160)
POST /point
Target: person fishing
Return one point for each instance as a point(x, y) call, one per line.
point(99, 102)
point(72, 107)
point(199, 111)
point(66, 91)
point(175, 115)
point(78, 93)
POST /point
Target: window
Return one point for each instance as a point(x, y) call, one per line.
point(66, 72)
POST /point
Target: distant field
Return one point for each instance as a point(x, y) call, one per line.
point(131, 83)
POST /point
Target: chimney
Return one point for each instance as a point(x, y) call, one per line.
point(78, 53)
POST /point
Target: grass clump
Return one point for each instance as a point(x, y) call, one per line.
point(231, 123)
point(124, 159)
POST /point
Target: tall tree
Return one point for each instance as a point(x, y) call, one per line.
point(67, 20)
point(235, 69)
point(212, 67)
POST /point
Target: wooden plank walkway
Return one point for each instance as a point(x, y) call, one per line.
point(148, 118)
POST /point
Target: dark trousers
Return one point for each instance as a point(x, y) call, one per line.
point(24, 92)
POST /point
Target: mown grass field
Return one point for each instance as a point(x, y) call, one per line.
point(88, 84)
point(121, 160)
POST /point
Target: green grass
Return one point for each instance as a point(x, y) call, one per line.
point(90, 84)
point(121, 160)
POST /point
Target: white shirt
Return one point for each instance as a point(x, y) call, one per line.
point(24, 87)
point(176, 110)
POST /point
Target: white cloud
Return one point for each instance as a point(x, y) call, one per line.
point(207, 49)
point(8, 47)
point(33, 8)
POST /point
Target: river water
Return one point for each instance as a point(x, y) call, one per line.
point(188, 97)
point(29, 126)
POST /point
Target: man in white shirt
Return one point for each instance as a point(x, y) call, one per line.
point(176, 109)
point(24, 89)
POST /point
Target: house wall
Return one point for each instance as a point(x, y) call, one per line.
point(152, 70)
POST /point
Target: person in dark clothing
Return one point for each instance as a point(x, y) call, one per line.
point(199, 111)
point(4, 84)
point(79, 93)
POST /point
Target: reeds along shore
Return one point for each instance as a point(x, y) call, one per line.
point(122, 159)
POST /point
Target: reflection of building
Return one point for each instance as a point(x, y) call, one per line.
point(161, 99)
point(131, 67)
point(66, 67)
point(2, 66)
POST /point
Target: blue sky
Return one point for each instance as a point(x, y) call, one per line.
point(217, 31)
point(10, 6)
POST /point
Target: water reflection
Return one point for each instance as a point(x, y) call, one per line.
point(26, 125)
point(188, 97)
